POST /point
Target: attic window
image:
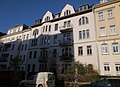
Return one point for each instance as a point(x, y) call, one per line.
point(47, 18)
point(67, 12)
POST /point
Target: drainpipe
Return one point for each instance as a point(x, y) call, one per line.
point(93, 9)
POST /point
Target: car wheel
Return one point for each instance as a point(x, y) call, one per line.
point(40, 85)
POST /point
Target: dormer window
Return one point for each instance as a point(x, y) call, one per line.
point(103, 1)
point(47, 18)
point(83, 20)
point(67, 12)
point(83, 8)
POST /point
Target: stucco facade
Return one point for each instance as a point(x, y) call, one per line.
point(108, 36)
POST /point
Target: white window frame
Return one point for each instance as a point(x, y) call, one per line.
point(117, 67)
point(104, 48)
point(110, 13)
point(113, 30)
point(102, 31)
point(89, 50)
point(100, 15)
point(115, 47)
point(80, 51)
point(106, 67)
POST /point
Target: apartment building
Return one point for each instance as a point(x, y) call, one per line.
point(14, 45)
point(89, 35)
point(54, 42)
point(108, 36)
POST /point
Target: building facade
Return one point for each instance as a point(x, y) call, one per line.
point(108, 37)
point(89, 35)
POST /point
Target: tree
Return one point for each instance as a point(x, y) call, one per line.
point(80, 73)
point(15, 63)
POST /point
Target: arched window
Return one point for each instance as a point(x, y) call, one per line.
point(80, 21)
point(83, 20)
point(35, 32)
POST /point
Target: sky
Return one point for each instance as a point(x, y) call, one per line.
point(13, 12)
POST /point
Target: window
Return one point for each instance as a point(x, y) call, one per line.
point(49, 28)
point(86, 20)
point(84, 34)
point(110, 13)
point(55, 39)
point(83, 20)
point(35, 54)
point(104, 49)
point(100, 15)
point(24, 58)
point(56, 27)
point(115, 47)
point(67, 12)
point(25, 47)
point(80, 34)
point(87, 34)
point(54, 52)
point(112, 30)
point(89, 50)
point(28, 68)
point(117, 66)
point(30, 54)
point(13, 47)
point(34, 42)
point(22, 47)
point(35, 32)
point(47, 18)
point(102, 31)
point(80, 51)
point(33, 68)
point(106, 67)
point(43, 28)
point(24, 37)
point(46, 28)
point(27, 36)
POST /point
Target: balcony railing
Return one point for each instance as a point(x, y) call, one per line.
point(68, 28)
point(66, 58)
point(66, 43)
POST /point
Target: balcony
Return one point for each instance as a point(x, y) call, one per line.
point(66, 58)
point(66, 43)
point(68, 28)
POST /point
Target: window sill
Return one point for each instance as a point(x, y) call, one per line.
point(111, 18)
point(103, 36)
point(113, 34)
point(89, 54)
point(101, 20)
point(105, 53)
point(116, 53)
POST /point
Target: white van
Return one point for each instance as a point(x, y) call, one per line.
point(42, 79)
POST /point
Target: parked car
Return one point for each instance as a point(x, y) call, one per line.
point(41, 79)
point(99, 83)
